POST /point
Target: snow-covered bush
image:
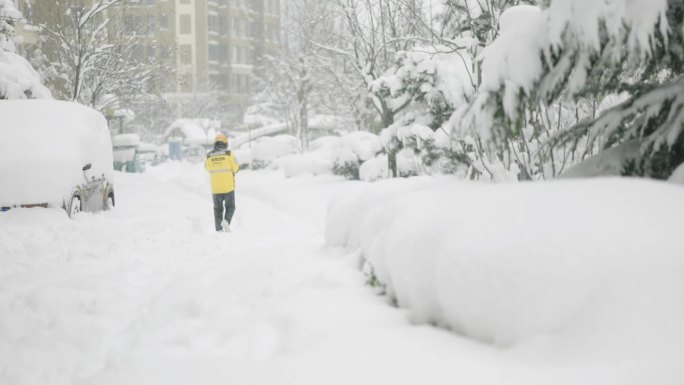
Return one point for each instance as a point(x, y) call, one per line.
point(374, 169)
point(352, 150)
point(18, 79)
point(267, 149)
point(516, 272)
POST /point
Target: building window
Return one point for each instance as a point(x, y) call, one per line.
point(164, 22)
point(236, 26)
point(150, 25)
point(236, 55)
point(218, 82)
point(164, 52)
point(218, 53)
point(185, 24)
point(185, 51)
point(213, 23)
point(252, 29)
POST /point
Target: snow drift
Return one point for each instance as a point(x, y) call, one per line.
point(583, 266)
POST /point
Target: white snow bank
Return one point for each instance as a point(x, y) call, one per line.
point(44, 145)
point(18, 80)
point(577, 268)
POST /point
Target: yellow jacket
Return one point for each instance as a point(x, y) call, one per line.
point(222, 167)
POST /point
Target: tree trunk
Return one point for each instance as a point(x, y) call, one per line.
point(388, 120)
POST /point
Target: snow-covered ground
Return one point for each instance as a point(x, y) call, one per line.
point(149, 294)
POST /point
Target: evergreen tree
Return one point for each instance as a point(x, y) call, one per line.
point(612, 47)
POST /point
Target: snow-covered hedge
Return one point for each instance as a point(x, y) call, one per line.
point(588, 265)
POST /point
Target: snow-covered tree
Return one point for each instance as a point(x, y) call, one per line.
point(426, 85)
point(302, 80)
point(95, 51)
point(18, 79)
point(584, 51)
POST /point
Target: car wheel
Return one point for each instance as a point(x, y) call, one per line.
point(75, 206)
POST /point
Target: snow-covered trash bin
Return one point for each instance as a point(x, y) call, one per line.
point(55, 154)
point(352, 150)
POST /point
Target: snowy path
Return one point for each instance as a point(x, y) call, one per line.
point(149, 294)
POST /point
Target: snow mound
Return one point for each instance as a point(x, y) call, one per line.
point(599, 274)
point(359, 146)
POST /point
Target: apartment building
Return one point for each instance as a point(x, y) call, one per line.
point(212, 45)
point(217, 42)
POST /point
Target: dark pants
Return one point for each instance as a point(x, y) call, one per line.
point(227, 199)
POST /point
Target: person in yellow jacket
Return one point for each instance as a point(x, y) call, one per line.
point(222, 168)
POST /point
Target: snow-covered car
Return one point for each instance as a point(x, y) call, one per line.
point(126, 153)
point(194, 153)
point(54, 154)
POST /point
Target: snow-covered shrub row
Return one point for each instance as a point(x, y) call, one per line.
point(588, 266)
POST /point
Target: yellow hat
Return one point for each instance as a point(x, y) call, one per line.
point(220, 138)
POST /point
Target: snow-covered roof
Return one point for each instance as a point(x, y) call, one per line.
point(191, 131)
